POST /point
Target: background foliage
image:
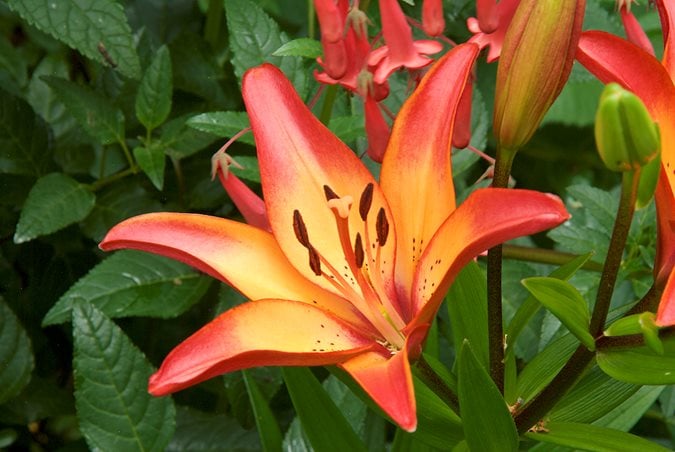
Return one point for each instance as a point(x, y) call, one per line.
point(111, 108)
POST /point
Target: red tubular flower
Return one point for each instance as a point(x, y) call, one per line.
point(489, 28)
point(433, 21)
point(377, 129)
point(354, 271)
point(462, 132)
point(332, 17)
point(400, 49)
point(612, 59)
point(634, 31)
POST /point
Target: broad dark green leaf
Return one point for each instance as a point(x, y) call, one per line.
point(223, 124)
point(153, 101)
point(54, 202)
point(13, 62)
point(566, 303)
point(593, 438)
point(115, 410)
point(24, 138)
point(249, 168)
point(348, 128)
point(302, 47)
point(254, 37)
point(16, 355)
point(322, 421)
point(96, 28)
point(95, 114)
point(152, 161)
point(41, 398)
point(268, 427)
point(134, 283)
point(179, 140)
point(640, 365)
point(488, 425)
point(467, 310)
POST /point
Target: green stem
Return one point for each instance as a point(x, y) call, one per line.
point(573, 369)
point(127, 154)
point(649, 302)
point(112, 178)
point(545, 256)
point(178, 169)
point(327, 107)
point(430, 378)
point(214, 16)
point(311, 24)
point(502, 172)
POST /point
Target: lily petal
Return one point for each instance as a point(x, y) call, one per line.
point(488, 217)
point(667, 16)
point(298, 157)
point(612, 59)
point(258, 333)
point(665, 315)
point(245, 257)
point(388, 380)
point(420, 144)
point(665, 214)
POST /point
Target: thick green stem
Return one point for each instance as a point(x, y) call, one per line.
point(311, 27)
point(574, 368)
point(110, 179)
point(502, 172)
point(544, 256)
point(214, 17)
point(327, 107)
point(430, 378)
point(127, 154)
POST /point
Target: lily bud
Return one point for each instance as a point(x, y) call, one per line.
point(626, 137)
point(535, 62)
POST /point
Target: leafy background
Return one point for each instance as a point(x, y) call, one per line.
point(110, 109)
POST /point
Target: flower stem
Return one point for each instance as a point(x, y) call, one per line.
point(327, 107)
point(110, 179)
point(573, 369)
point(502, 172)
point(214, 16)
point(430, 378)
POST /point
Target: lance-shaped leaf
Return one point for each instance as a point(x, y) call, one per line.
point(640, 365)
point(16, 356)
point(268, 428)
point(153, 102)
point(566, 303)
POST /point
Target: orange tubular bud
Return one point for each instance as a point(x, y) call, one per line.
point(535, 63)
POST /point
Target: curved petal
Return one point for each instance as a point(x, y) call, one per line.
point(488, 217)
point(665, 214)
point(258, 333)
point(298, 157)
point(387, 379)
point(667, 16)
point(245, 257)
point(419, 147)
point(665, 315)
point(612, 59)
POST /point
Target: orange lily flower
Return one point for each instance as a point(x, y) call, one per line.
point(353, 271)
point(613, 59)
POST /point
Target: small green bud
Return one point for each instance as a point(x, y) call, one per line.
point(626, 137)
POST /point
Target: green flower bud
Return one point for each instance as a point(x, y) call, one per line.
point(626, 137)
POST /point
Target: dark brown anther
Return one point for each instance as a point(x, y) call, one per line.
point(358, 250)
point(314, 261)
point(382, 227)
point(330, 194)
point(300, 229)
point(366, 201)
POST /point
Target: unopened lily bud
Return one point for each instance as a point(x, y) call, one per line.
point(433, 21)
point(535, 62)
point(626, 137)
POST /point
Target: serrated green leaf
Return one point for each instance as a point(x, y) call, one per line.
point(16, 355)
point(249, 168)
point(566, 303)
point(223, 124)
point(134, 283)
point(301, 47)
point(12, 61)
point(593, 438)
point(152, 161)
point(96, 28)
point(640, 365)
point(488, 425)
point(254, 37)
point(114, 409)
point(54, 202)
point(268, 428)
point(153, 101)
point(95, 114)
point(24, 138)
point(179, 140)
point(348, 128)
point(325, 426)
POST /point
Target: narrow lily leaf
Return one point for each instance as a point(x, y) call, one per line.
point(153, 102)
point(24, 138)
point(54, 202)
point(96, 28)
point(302, 47)
point(152, 161)
point(467, 310)
point(640, 365)
point(268, 428)
point(223, 124)
point(625, 326)
point(95, 114)
point(133, 283)
point(593, 438)
point(488, 424)
point(115, 411)
point(16, 355)
point(325, 426)
point(566, 303)
point(627, 414)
